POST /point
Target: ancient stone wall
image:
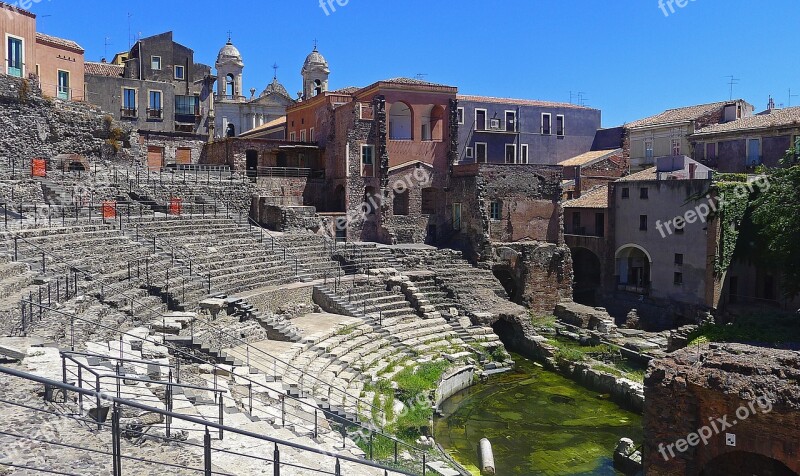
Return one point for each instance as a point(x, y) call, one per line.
point(755, 391)
point(541, 273)
point(33, 126)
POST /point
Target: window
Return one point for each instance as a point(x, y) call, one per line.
point(63, 85)
point(292, 136)
point(302, 135)
point(523, 154)
point(495, 211)
point(429, 201)
point(426, 132)
point(154, 105)
point(676, 147)
point(401, 119)
point(128, 102)
point(187, 105)
point(678, 279)
point(400, 204)
point(180, 72)
point(511, 154)
point(480, 152)
point(753, 152)
point(643, 222)
point(626, 192)
point(460, 114)
point(576, 223)
point(14, 56)
point(648, 149)
point(644, 193)
point(678, 259)
point(155, 63)
point(480, 119)
point(511, 121)
point(470, 153)
point(546, 124)
point(711, 151)
point(311, 135)
point(367, 154)
point(560, 125)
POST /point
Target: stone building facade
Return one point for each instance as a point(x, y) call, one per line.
point(56, 64)
point(691, 393)
point(235, 112)
point(742, 145)
point(158, 88)
point(520, 131)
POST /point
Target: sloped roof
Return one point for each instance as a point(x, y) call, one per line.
point(518, 102)
point(265, 127)
point(767, 119)
point(103, 69)
point(596, 197)
point(414, 82)
point(647, 174)
point(681, 114)
point(347, 90)
point(590, 157)
point(54, 40)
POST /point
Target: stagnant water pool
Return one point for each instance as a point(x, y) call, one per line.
point(539, 423)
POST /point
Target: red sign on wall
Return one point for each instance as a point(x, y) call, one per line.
point(175, 205)
point(109, 210)
point(38, 168)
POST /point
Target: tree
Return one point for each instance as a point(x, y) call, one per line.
point(776, 214)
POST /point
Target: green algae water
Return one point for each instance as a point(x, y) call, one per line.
point(539, 423)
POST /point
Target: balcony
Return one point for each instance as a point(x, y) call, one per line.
point(128, 113)
point(156, 114)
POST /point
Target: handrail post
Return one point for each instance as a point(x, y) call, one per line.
point(99, 403)
point(116, 446)
point(338, 470)
point(207, 453)
point(276, 460)
point(221, 418)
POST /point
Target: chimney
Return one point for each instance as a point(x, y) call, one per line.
point(692, 170)
point(771, 105)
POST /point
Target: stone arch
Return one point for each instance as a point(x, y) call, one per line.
point(633, 266)
point(509, 280)
point(230, 86)
point(401, 121)
point(587, 269)
point(742, 462)
point(437, 123)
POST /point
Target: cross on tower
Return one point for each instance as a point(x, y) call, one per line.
point(229, 36)
point(315, 44)
point(275, 67)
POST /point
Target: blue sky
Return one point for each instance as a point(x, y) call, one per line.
point(626, 56)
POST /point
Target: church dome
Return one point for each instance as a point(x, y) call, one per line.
point(275, 87)
point(315, 60)
point(229, 53)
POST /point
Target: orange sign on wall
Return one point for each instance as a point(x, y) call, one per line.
point(109, 210)
point(175, 205)
point(38, 168)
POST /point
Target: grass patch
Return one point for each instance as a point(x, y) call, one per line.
point(346, 331)
point(422, 379)
point(753, 328)
point(543, 321)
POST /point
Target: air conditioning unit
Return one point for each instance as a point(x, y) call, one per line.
point(494, 123)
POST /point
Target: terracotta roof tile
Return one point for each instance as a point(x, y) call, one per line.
point(54, 40)
point(681, 114)
point(596, 197)
point(103, 69)
point(519, 102)
point(647, 174)
point(590, 157)
point(765, 120)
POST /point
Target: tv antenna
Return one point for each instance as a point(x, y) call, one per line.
point(791, 96)
point(732, 81)
point(129, 30)
point(106, 43)
point(421, 76)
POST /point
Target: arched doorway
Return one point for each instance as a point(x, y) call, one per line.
point(339, 202)
point(508, 281)
point(741, 462)
point(632, 269)
point(401, 125)
point(587, 271)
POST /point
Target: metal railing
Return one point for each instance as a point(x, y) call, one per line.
point(118, 405)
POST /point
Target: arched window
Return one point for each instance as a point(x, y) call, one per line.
point(400, 122)
point(317, 87)
point(230, 86)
